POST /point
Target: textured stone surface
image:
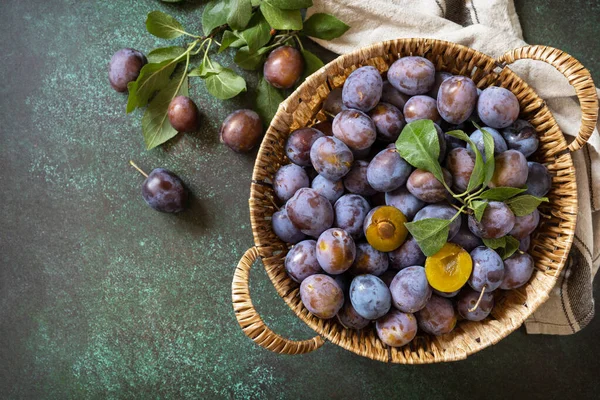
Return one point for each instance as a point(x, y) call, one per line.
point(101, 297)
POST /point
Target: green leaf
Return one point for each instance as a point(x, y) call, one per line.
point(257, 34)
point(501, 193)
point(281, 19)
point(250, 61)
point(525, 204)
point(312, 63)
point(239, 14)
point(171, 1)
point(163, 25)
point(225, 84)
point(488, 145)
point(155, 123)
point(291, 4)
point(268, 99)
point(478, 208)
point(512, 245)
point(477, 175)
point(255, 2)
point(504, 246)
point(165, 53)
point(418, 144)
point(215, 14)
point(152, 77)
point(431, 234)
point(226, 40)
point(206, 69)
point(324, 26)
point(495, 243)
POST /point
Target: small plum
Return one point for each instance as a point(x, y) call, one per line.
point(388, 121)
point(335, 251)
point(362, 89)
point(241, 130)
point(425, 186)
point(497, 221)
point(124, 67)
point(497, 107)
point(283, 67)
point(412, 75)
point(288, 179)
point(321, 295)
point(421, 107)
point(510, 171)
point(297, 147)
point(164, 191)
point(301, 261)
point(183, 114)
point(437, 317)
point(396, 328)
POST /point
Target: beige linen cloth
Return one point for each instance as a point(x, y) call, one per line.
point(492, 27)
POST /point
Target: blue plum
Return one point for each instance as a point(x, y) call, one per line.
point(404, 201)
point(284, 229)
point(468, 299)
point(369, 261)
point(407, 255)
point(410, 289)
point(301, 261)
point(350, 213)
point(297, 147)
point(331, 190)
point(355, 129)
point(521, 136)
point(310, 212)
point(518, 269)
point(321, 295)
point(412, 75)
point(497, 107)
point(356, 182)
point(437, 317)
point(442, 211)
point(396, 328)
point(539, 180)
point(335, 251)
point(388, 121)
point(457, 99)
point(288, 179)
point(497, 221)
point(421, 107)
point(488, 269)
point(370, 297)
point(388, 171)
point(362, 89)
point(331, 157)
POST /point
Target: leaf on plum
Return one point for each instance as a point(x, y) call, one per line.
point(156, 127)
point(431, 234)
point(418, 144)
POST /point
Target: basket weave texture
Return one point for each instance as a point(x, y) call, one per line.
point(550, 243)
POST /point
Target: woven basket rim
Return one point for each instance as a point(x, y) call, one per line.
point(268, 250)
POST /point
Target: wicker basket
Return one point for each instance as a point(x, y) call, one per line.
point(550, 243)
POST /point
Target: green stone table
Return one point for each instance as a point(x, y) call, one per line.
point(101, 297)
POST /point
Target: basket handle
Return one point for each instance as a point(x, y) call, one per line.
point(579, 77)
point(249, 320)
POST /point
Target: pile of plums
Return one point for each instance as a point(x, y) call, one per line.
point(346, 194)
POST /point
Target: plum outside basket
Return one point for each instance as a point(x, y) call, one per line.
point(550, 243)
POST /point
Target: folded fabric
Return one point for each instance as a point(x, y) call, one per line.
point(492, 27)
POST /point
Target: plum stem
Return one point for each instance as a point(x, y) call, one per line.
point(141, 171)
point(472, 309)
